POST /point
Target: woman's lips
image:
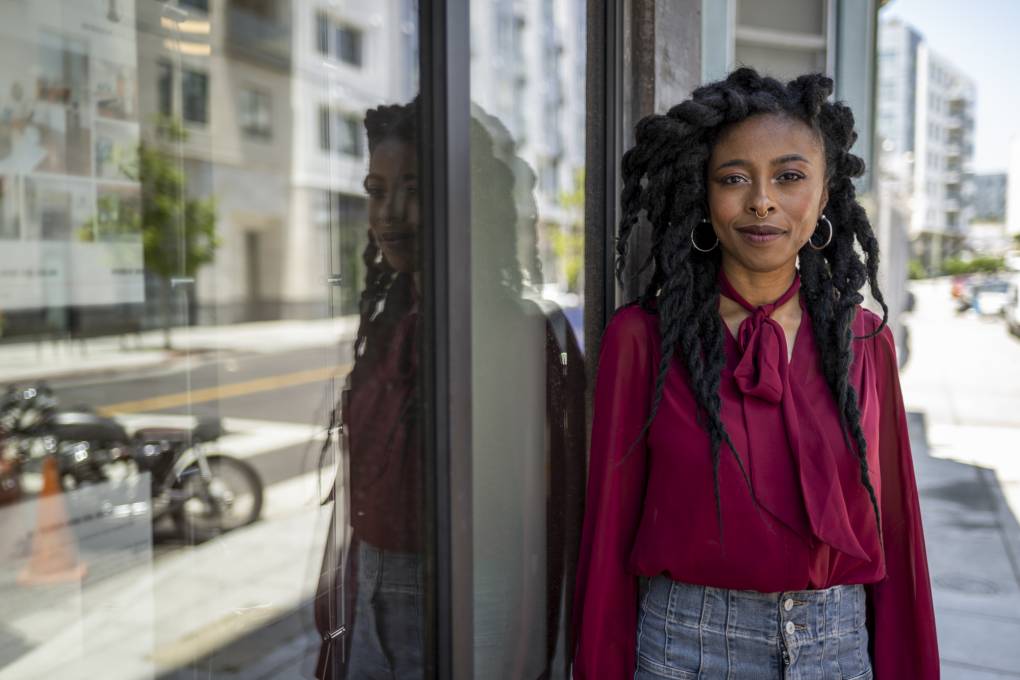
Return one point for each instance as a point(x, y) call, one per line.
point(396, 237)
point(758, 234)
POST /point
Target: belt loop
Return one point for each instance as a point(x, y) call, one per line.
point(671, 597)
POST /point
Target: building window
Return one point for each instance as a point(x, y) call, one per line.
point(348, 45)
point(165, 88)
point(340, 131)
point(200, 5)
point(195, 96)
point(322, 33)
point(256, 114)
point(340, 41)
point(324, 136)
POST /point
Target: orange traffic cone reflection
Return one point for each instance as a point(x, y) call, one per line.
point(54, 557)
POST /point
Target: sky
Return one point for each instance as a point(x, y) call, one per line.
point(980, 37)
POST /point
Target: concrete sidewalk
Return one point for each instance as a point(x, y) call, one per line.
point(98, 357)
point(972, 539)
point(962, 392)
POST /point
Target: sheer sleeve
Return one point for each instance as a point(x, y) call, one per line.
point(605, 603)
point(901, 621)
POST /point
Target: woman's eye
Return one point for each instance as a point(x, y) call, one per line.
point(732, 179)
point(790, 177)
point(374, 192)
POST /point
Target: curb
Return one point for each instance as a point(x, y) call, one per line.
point(1009, 527)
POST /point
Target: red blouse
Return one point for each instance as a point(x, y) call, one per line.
point(813, 526)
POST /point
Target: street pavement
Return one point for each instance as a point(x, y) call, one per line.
point(64, 359)
point(152, 605)
point(961, 388)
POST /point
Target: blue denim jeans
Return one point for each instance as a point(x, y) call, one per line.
point(689, 631)
point(387, 640)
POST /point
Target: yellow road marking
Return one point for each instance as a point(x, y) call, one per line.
point(225, 391)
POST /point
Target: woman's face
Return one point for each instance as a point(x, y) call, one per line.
point(772, 166)
point(393, 209)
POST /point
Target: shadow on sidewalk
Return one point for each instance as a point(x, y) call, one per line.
point(973, 545)
point(285, 647)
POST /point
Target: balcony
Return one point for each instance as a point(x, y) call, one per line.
point(258, 36)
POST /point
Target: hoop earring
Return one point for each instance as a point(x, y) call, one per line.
point(695, 244)
point(811, 240)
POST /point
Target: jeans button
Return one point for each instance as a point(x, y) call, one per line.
point(789, 627)
point(788, 604)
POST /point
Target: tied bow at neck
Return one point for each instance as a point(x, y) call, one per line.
point(763, 377)
point(761, 372)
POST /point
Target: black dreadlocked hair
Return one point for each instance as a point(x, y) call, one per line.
point(664, 181)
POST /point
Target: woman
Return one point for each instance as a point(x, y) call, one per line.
point(752, 510)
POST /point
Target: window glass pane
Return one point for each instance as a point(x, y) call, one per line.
point(322, 33)
point(194, 298)
point(255, 114)
point(325, 123)
point(348, 134)
point(348, 45)
point(165, 89)
point(195, 96)
point(527, 249)
point(200, 5)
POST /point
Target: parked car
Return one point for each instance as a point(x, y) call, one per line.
point(1012, 260)
point(990, 297)
point(1011, 311)
point(958, 285)
point(962, 290)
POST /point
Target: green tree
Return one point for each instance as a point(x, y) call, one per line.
point(178, 232)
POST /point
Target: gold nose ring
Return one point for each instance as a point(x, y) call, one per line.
point(759, 215)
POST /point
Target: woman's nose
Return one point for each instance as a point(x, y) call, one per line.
point(394, 207)
point(761, 204)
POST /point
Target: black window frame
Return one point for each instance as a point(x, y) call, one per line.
point(444, 171)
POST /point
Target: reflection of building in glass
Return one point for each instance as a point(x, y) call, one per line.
point(272, 95)
point(68, 133)
point(926, 119)
point(528, 72)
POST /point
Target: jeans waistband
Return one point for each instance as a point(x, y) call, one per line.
point(811, 614)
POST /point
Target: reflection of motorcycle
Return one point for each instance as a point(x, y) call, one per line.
point(203, 492)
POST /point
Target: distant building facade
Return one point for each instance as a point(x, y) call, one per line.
point(926, 124)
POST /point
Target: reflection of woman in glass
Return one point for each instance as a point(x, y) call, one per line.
point(752, 509)
point(528, 421)
point(383, 635)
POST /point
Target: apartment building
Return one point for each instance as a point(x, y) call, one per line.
point(926, 123)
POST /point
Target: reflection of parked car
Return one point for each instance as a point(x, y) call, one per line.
point(990, 297)
point(1011, 312)
point(963, 291)
point(958, 285)
point(1012, 260)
